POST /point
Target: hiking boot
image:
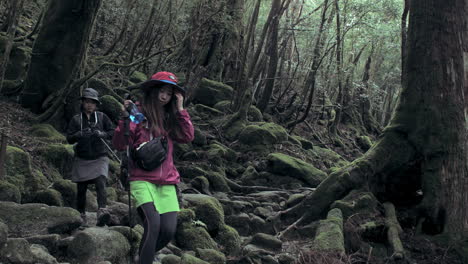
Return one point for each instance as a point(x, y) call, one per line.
point(103, 217)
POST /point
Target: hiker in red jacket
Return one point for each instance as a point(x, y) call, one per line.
point(154, 192)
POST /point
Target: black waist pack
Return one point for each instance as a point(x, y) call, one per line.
point(150, 155)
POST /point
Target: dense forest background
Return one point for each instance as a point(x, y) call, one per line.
point(345, 121)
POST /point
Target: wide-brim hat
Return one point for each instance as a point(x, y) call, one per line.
point(162, 78)
point(90, 93)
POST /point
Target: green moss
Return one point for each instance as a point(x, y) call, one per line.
point(138, 77)
point(18, 167)
point(295, 140)
point(233, 131)
point(111, 107)
point(211, 256)
point(189, 259)
point(328, 157)
point(49, 196)
point(263, 134)
point(47, 132)
point(210, 92)
point(111, 194)
point(289, 166)
point(68, 191)
point(191, 172)
point(171, 259)
point(9, 192)
point(253, 114)
point(330, 233)
point(229, 239)
point(58, 155)
point(208, 209)
point(220, 151)
point(185, 216)
point(356, 202)
point(190, 237)
point(206, 111)
point(218, 181)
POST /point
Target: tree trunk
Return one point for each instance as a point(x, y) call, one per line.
point(425, 145)
point(58, 49)
point(273, 54)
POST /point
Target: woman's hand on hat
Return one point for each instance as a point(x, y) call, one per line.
point(126, 104)
point(180, 101)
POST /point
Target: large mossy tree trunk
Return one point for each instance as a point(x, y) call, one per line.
point(58, 50)
point(425, 145)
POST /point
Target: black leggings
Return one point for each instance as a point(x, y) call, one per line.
point(159, 229)
point(100, 183)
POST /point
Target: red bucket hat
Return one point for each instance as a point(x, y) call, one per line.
point(162, 78)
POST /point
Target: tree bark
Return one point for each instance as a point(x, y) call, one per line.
point(58, 49)
point(425, 145)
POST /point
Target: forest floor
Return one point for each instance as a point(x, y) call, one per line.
point(16, 123)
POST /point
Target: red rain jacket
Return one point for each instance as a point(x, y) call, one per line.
point(167, 172)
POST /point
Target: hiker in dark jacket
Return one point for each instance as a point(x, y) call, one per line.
point(89, 130)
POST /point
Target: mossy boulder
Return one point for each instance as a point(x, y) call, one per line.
point(229, 239)
point(219, 150)
point(138, 77)
point(68, 191)
point(99, 244)
point(191, 172)
point(199, 137)
point(210, 92)
point(18, 167)
point(211, 256)
point(60, 156)
point(42, 255)
point(190, 236)
point(17, 250)
point(305, 144)
point(170, 259)
point(48, 196)
point(329, 236)
point(327, 157)
point(233, 131)
point(217, 181)
point(356, 202)
point(202, 184)
point(111, 107)
point(208, 210)
point(263, 133)
point(189, 259)
point(253, 115)
point(9, 192)
point(266, 241)
point(3, 234)
point(38, 219)
point(289, 166)
point(47, 132)
point(185, 216)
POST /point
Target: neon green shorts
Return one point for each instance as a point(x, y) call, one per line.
point(164, 197)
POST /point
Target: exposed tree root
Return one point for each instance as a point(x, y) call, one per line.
point(393, 232)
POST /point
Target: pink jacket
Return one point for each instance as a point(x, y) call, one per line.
point(167, 172)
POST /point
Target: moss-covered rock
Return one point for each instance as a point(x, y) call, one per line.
point(250, 176)
point(9, 192)
point(263, 134)
point(111, 194)
point(253, 115)
point(211, 256)
point(329, 236)
point(189, 259)
point(191, 172)
point(328, 157)
point(3, 234)
point(190, 236)
point(68, 191)
point(47, 132)
point(267, 242)
point(229, 239)
point(111, 107)
point(138, 77)
point(60, 156)
point(218, 181)
point(233, 131)
point(16, 250)
point(286, 165)
point(208, 209)
point(50, 197)
point(99, 244)
point(210, 92)
point(199, 137)
point(18, 167)
point(218, 150)
point(185, 216)
point(171, 259)
point(38, 219)
point(306, 144)
point(202, 184)
point(356, 202)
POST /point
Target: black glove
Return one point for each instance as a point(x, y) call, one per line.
point(100, 134)
point(86, 133)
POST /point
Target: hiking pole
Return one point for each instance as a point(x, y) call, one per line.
point(124, 169)
point(111, 151)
